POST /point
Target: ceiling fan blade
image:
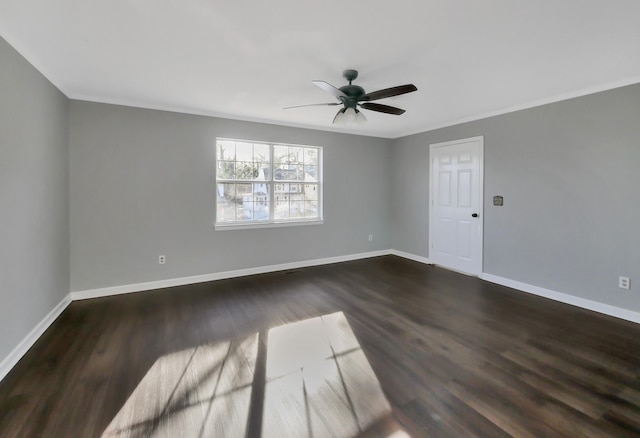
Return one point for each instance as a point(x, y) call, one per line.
point(382, 108)
point(313, 104)
point(329, 89)
point(389, 92)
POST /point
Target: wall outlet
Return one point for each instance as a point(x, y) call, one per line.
point(624, 282)
point(370, 237)
point(162, 259)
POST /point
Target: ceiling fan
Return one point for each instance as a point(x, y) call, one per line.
point(353, 96)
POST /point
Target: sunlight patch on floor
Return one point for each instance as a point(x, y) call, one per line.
point(312, 379)
point(204, 389)
point(318, 375)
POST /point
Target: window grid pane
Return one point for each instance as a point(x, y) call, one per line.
point(275, 183)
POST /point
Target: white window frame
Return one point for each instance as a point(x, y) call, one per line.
point(271, 183)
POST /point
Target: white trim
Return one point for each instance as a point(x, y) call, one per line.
point(632, 80)
point(415, 258)
point(527, 105)
point(25, 52)
point(339, 129)
point(139, 287)
point(479, 138)
point(584, 303)
point(427, 261)
point(251, 225)
point(271, 182)
point(606, 309)
point(21, 349)
point(434, 146)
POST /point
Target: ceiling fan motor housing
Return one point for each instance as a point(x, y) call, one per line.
point(353, 92)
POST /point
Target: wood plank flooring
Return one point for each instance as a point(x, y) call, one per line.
point(453, 356)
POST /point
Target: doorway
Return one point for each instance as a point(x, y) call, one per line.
point(456, 199)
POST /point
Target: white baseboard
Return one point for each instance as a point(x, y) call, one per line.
point(584, 303)
point(606, 309)
point(16, 354)
point(12, 359)
point(410, 256)
point(139, 287)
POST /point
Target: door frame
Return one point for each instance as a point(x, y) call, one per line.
point(432, 147)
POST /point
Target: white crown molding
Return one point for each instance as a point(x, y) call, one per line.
point(28, 55)
point(390, 136)
point(336, 129)
point(16, 354)
point(532, 104)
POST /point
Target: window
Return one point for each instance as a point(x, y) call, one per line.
point(267, 184)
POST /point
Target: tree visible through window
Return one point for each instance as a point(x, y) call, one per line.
point(262, 183)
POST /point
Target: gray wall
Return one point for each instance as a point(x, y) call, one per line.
point(570, 176)
point(142, 184)
point(133, 183)
point(34, 199)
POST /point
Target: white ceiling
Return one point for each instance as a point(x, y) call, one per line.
point(247, 59)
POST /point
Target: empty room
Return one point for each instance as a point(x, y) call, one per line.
point(339, 219)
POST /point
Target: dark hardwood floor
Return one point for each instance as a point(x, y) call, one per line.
point(454, 356)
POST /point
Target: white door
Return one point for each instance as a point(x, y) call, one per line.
point(456, 217)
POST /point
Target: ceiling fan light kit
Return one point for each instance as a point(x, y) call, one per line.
point(353, 96)
point(349, 115)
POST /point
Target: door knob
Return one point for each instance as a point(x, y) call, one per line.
point(474, 215)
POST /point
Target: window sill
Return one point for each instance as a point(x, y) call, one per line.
point(239, 226)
